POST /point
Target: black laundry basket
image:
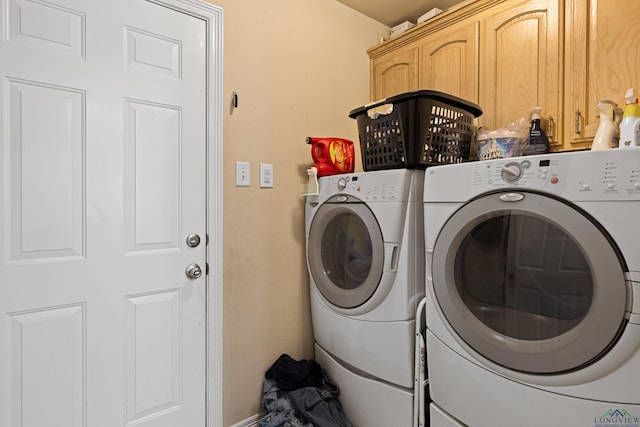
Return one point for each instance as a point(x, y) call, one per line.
point(417, 129)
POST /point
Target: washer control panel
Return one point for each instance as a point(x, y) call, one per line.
point(614, 174)
point(387, 185)
point(367, 190)
point(519, 171)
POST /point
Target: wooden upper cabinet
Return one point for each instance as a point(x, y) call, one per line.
point(394, 73)
point(511, 55)
point(602, 57)
point(449, 61)
point(520, 63)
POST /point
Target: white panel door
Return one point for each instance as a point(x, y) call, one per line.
point(103, 177)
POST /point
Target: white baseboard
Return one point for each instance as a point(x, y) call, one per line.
point(249, 422)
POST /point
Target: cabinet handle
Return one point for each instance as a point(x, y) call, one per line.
point(550, 127)
point(577, 122)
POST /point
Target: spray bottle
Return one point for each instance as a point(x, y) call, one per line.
point(538, 141)
point(617, 118)
point(630, 125)
point(606, 131)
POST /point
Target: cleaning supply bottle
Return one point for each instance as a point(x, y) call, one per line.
point(332, 155)
point(606, 131)
point(311, 188)
point(538, 141)
point(630, 124)
point(617, 118)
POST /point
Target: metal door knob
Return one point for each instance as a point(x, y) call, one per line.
point(193, 271)
point(193, 240)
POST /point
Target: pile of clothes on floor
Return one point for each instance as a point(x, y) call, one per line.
point(299, 394)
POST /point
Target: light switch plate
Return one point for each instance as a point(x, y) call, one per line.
point(266, 175)
point(243, 174)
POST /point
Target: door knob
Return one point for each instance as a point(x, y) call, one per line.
point(193, 271)
point(193, 240)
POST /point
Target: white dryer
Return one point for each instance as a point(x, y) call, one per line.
point(365, 254)
point(533, 290)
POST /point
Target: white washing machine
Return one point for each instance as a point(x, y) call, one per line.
point(533, 290)
point(365, 253)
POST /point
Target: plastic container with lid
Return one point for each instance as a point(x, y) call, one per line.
point(499, 145)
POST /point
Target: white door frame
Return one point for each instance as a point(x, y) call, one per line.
point(213, 15)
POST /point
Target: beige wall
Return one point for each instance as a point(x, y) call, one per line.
point(298, 67)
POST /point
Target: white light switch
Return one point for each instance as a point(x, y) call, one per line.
point(266, 175)
point(243, 174)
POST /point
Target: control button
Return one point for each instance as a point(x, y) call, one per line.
point(636, 185)
point(586, 187)
point(554, 180)
point(526, 164)
point(610, 186)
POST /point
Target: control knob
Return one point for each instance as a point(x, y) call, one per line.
point(511, 172)
point(342, 183)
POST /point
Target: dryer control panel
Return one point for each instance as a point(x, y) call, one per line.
point(531, 173)
point(577, 176)
point(387, 185)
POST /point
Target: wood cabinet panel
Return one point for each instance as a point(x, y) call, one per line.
point(449, 61)
point(602, 61)
point(394, 73)
point(520, 62)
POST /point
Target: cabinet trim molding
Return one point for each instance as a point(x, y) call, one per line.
point(452, 16)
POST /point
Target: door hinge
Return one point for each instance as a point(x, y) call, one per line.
point(206, 269)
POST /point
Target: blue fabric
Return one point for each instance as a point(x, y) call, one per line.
point(297, 404)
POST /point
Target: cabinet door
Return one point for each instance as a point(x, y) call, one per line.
point(449, 61)
point(520, 63)
point(394, 73)
point(603, 61)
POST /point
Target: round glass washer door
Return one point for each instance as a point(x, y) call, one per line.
point(345, 251)
point(529, 282)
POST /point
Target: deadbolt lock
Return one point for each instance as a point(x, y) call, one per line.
point(193, 240)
